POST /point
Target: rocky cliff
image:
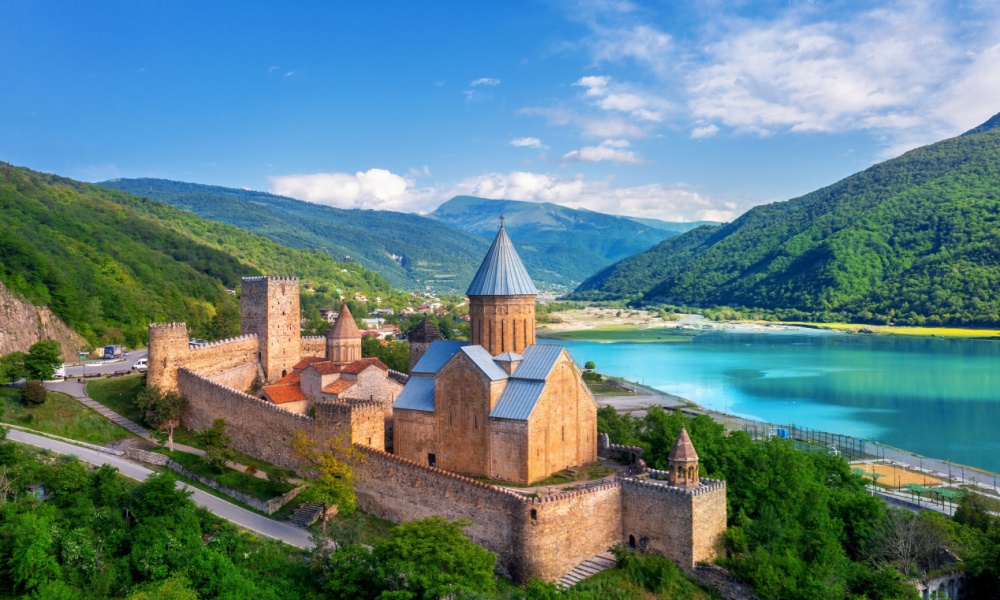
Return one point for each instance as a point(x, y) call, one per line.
point(22, 324)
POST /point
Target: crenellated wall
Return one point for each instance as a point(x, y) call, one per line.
point(313, 345)
point(169, 351)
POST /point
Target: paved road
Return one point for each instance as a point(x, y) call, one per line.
point(294, 536)
point(98, 365)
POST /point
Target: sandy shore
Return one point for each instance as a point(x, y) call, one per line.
point(592, 317)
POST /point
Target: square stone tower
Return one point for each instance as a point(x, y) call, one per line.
point(270, 309)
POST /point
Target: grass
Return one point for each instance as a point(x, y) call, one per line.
point(948, 332)
point(603, 388)
point(60, 415)
point(356, 528)
point(624, 333)
point(644, 577)
point(118, 394)
point(249, 484)
point(582, 474)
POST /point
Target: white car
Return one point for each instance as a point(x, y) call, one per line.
point(140, 365)
point(60, 372)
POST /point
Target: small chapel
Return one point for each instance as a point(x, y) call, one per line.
point(500, 405)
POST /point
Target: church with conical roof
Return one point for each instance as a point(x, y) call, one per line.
point(499, 406)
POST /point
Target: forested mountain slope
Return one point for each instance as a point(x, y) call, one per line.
point(913, 240)
point(108, 263)
point(577, 242)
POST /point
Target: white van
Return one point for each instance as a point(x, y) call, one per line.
point(140, 365)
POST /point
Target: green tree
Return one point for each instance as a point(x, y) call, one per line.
point(590, 365)
point(330, 470)
point(161, 410)
point(12, 367)
point(34, 392)
point(176, 587)
point(31, 560)
point(42, 360)
point(216, 444)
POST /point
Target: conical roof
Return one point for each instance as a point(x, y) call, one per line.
point(683, 449)
point(502, 272)
point(345, 328)
point(425, 333)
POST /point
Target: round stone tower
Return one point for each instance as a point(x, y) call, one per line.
point(502, 300)
point(168, 350)
point(683, 461)
point(343, 340)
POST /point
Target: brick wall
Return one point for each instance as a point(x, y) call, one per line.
point(169, 351)
point(414, 435)
point(238, 378)
point(313, 345)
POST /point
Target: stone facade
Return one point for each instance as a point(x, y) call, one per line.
point(270, 310)
point(502, 323)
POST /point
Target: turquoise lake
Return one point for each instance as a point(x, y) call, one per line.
point(936, 397)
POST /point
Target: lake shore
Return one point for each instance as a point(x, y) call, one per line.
point(622, 325)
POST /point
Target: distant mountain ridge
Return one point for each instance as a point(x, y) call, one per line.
point(576, 241)
point(913, 240)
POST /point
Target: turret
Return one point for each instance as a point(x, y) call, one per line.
point(168, 351)
point(343, 340)
point(683, 461)
point(502, 300)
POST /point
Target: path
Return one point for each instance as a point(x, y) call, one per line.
point(294, 536)
point(587, 569)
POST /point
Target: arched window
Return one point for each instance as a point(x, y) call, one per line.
point(284, 372)
point(631, 541)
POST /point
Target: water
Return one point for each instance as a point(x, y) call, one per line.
point(936, 397)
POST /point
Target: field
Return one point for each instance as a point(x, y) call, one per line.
point(118, 394)
point(902, 476)
point(60, 415)
point(623, 333)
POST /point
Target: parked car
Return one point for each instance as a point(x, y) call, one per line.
point(140, 365)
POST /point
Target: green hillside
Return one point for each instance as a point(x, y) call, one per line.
point(913, 240)
point(408, 250)
point(108, 263)
point(576, 242)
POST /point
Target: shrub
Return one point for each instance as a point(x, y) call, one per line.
point(34, 393)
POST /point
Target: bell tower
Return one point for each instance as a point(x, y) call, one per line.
point(683, 461)
point(343, 340)
point(502, 300)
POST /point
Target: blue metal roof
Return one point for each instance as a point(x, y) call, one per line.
point(508, 357)
point(484, 362)
point(538, 362)
point(417, 394)
point(437, 355)
point(502, 273)
point(518, 399)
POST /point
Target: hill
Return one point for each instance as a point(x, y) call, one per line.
point(575, 242)
point(913, 240)
point(410, 251)
point(107, 263)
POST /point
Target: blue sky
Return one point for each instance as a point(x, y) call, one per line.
point(675, 110)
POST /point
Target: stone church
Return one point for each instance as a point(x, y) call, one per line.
point(501, 405)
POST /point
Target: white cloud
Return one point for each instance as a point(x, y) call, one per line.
point(610, 97)
point(526, 142)
point(485, 81)
point(592, 126)
point(608, 150)
point(384, 190)
point(704, 131)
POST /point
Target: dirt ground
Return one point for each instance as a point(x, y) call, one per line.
point(902, 475)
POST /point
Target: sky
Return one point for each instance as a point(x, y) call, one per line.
point(675, 110)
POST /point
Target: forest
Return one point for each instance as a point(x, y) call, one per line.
point(913, 241)
point(109, 263)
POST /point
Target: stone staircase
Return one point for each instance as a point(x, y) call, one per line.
point(307, 514)
point(588, 568)
point(116, 418)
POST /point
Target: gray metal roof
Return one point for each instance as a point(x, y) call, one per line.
point(502, 273)
point(437, 355)
point(417, 394)
point(538, 362)
point(508, 357)
point(484, 362)
point(518, 399)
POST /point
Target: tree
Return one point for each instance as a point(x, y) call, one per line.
point(161, 410)
point(34, 392)
point(175, 587)
point(590, 365)
point(216, 444)
point(43, 359)
point(12, 367)
point(329, 467)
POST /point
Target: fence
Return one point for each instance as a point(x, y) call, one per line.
point(809, 440)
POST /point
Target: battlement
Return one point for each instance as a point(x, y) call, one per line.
point(398, 377)
point(276, 278)
point(342, 408)
point(227, 341)
point(442, 473)
point(562, 496)
point(657, 481)
point(205, 381)
point(313, 338)
point(167, 326)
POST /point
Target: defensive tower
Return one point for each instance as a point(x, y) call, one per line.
point(343, 340)
point(683, 461)
point(502, 300)
point(270, 309)
point(168, 347)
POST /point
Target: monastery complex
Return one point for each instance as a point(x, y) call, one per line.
point(500, 408)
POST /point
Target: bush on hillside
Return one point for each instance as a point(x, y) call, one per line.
point(34, 393)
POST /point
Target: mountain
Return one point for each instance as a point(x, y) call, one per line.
point(671, 226)
point(575, 242)
point(107, 263)
point(912, 240)
point(408, 250)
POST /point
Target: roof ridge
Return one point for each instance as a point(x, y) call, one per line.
point(502, 273)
